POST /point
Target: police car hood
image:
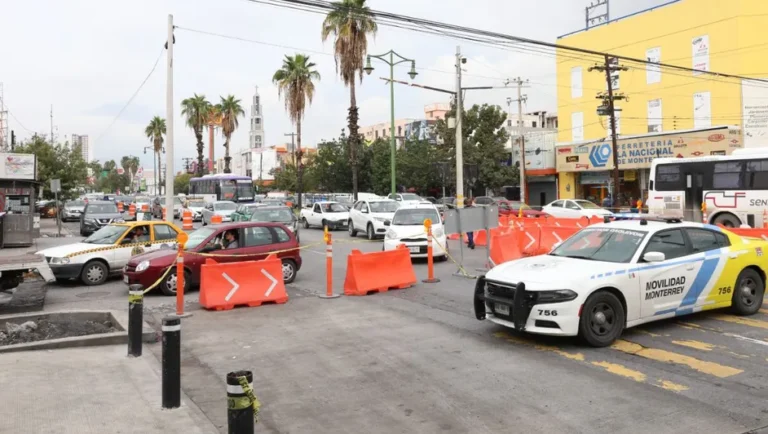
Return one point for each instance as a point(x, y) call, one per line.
point(547, 272)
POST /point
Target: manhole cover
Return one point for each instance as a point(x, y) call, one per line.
point(93, 295)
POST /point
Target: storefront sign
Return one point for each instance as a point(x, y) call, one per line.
point(638, 152)
point(630, 175)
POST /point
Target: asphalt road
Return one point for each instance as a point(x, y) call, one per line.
point(416, 360)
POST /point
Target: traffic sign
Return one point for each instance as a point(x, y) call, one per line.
point(55, 185)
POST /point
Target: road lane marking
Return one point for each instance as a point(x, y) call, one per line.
point(749, 322)
point(703, 346)
point(711, 368)
point(668, 385)
point(621, 371)
point(552, 349)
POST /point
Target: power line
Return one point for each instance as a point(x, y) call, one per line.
point(131, 99)
point(17, 121)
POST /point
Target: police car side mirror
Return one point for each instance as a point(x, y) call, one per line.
point(654, 257)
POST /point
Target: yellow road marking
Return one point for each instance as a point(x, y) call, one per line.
point(765, 311)
point(622, 371)
point(710, 368)
point(668, 385)
point(646, 332)
point(689, 326)
point(518, 340)
point(703, 346)
point(741, 320)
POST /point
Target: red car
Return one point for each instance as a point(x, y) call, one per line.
point(513, 208)
point(255, 240)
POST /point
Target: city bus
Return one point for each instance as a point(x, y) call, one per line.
point(734, 188)
point(222, 187)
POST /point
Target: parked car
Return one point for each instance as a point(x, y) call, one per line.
point(511, 207)
point(91, 264)
point(244, 211)
point(371, 217)
point(72, 210)
point(407, 228)
point(256, 240)
point(406, 198)
point(48, 208)
point(98, 214)
point(575, 208)
point(223, 208)
point(322, 214)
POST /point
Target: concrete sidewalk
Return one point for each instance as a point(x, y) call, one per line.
point(89, 390)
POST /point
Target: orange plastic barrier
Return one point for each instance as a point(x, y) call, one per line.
point(750, 232)
point(566, 223)
point(551, 235)
point(529, 239)
point(186, 220)
point(145, 208)
point(216, 219)
point(250, 283)
point(132, 210)
point(505, 247)
point(120, 207)
point(378, 271)
point(165, 212)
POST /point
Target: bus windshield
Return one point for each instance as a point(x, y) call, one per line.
point(228, 188)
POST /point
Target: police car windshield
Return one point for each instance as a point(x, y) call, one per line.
point(601, 244)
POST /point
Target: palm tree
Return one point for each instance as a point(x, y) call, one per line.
point(230, 110)
point(351, 22)
point(294, 80)
point(130, 164)
point(154, 132)
point(196, 110)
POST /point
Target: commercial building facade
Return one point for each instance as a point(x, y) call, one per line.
point(705, 35)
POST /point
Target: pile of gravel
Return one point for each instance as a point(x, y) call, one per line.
point(44, 329)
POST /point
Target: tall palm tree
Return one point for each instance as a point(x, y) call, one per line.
point(130, 164)
point(230, 110)
point(294, 81)
point(196, 110)
point(155, 132)
point(350, 22)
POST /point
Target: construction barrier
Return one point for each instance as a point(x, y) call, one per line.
point(505, 247)
point(120, 207)
point(216, 219)
point(250, 283)
point(378, 271)
point(165, 212)
point(186, 220)
point(132, 210)
point(551, 235)
point(145, 207)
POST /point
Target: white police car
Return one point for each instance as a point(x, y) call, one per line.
point(611, 276)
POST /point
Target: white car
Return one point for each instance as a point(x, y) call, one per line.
point(325, 213)
point(223, 208)
point(575, 208)
point(371, 217)
point(407, 228)
point(108, 250)
point(611, 276)
point(406, 198)
point(196, 206)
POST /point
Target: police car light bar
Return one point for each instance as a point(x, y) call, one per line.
point(645, 217)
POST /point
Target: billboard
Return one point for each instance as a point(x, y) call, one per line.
point(421, 130)
point(638, 152)
point(18, 166)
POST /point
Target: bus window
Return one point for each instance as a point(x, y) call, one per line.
point(727, 175)
point(757, 175)
point(227, 190)
point(669, 178)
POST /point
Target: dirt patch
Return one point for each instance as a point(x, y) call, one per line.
point(33, 331)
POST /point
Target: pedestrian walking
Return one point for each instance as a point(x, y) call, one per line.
point(468, 203)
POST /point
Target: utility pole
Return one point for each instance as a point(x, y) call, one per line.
point(293, 148)
point(520, 129)
point(169, 121)
point(459, 137)
point(52, 141)
point(610, 66)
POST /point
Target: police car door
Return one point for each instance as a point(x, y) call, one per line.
point(664, 284)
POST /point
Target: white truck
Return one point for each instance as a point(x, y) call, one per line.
point(322, 214)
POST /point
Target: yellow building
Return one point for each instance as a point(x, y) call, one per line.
point(715, 35)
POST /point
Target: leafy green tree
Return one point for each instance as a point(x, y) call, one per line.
point(350, 21)
point(56, 162)
point(130, 165)
point(230, 109)
point(484, 141)
point(181, 183)
point(197, 110)
point(415, 166)
point(380, 167)
point(294, 80)
point(285, 178)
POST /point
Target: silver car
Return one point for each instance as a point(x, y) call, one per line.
point(72, 210)
point(223, 208)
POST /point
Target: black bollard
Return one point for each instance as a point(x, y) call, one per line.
point(135, 319)
point(240, 417)
point(171, 362)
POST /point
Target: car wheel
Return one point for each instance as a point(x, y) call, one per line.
point(748, 293)
point(369, 232)
point(602, 319)
point(94, 273)
point(289, 271)
point(352, 231)
point(168, 286)
point(305, 222)
point(728, 220)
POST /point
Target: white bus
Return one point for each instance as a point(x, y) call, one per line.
point(734, 188)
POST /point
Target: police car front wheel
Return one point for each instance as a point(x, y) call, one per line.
point(748, 293)
point(602, 319)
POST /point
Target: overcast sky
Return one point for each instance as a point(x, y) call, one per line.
point(87, 57)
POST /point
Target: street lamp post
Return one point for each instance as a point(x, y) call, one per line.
point(392, 59)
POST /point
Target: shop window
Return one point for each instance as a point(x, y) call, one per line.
point(728, 175)
point(757, 174)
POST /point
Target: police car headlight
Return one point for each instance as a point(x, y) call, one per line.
point(557, 296)
point(143, 265)
point(59, 260)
